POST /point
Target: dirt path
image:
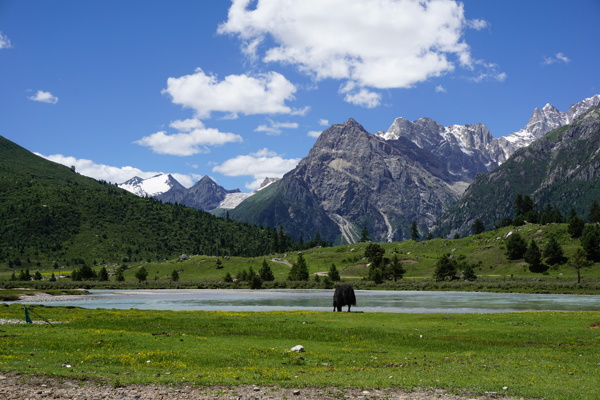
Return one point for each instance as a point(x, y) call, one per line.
point(21, 387)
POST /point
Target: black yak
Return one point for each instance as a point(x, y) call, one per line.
point(343, 296)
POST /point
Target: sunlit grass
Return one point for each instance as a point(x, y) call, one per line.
point(535, 354)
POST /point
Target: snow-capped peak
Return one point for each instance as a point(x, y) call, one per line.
point(150, 187)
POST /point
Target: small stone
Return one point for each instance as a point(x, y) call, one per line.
point(298, 348)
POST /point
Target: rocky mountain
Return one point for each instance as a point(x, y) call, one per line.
point(204, 195)
point(412, 172)
point(562, 169)
point(151, 187)
point(351, 179)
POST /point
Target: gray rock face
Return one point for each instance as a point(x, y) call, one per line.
point(358, 179)
point(412, 172)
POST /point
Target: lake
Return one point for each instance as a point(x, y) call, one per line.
point(321, 300)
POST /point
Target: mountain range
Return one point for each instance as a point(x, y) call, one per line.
point(352, 179)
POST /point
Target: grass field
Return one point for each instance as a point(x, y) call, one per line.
point(550, 355)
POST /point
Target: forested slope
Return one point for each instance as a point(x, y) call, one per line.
point(49, 213)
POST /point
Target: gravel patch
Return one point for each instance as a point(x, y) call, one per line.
point(21, 387)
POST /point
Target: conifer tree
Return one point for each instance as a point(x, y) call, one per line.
point(594, 213)
point(553, 252)
point(477, 227)
point(445, 268)
point(265, 272)
point(174, 276)
point(333, 273)
point(533, 256)
point(414, 231)
point(515, 246)
point(590, 241)
point(299, 271)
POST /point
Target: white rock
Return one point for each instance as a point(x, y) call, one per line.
point(298, 349)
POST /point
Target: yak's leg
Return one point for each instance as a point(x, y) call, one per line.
point(349, 307)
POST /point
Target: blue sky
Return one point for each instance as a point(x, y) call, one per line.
point(239, 90)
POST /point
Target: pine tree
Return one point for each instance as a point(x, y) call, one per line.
point(515, 246)
point(103, 275)
point(414, 231)
point(477, 227)
point(533, 256)
point(299, 271)
point(364, 235)
point(594, 213)
point(553, 252)
point(374, 253)
point(175, 276)
point(590, 241)
point(265, 272)
point(445, 268)
point(397, 268)
point(333, 273)
point(576, 225)
point(141, 274)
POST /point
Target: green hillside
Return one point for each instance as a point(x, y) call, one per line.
point(51, 214)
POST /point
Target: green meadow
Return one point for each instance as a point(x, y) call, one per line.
point(550, 355)
point(495, 272)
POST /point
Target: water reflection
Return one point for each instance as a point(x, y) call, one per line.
point(321, 300)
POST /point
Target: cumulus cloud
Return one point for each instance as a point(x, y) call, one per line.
point(192, 141)
point(557, 58)
point(260, 165)
point(4, 41)
point(44, 97)
point(274, 128)
point(378, 45)
point(236, 94)
point(110, 173)
point(323, 122)
point(314, 134)
point(440, 89)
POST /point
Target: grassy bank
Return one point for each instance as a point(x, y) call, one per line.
point(543, 354)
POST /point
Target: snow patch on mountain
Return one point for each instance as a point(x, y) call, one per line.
point(150, 187)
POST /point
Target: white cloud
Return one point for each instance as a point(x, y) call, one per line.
point(260, 165)
point(274, 128)
point(236, 94)
point(360, 96)
point(44, 97)
point(314, 134)
point(384, 44)
point(557, 58)
point(478, 24)
point(4, 41)
point(440, 89)
point(324, 122)
point(187, 143)
point(112, 174)
point(187, 125)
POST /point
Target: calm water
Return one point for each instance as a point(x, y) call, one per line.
point(321, 300)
